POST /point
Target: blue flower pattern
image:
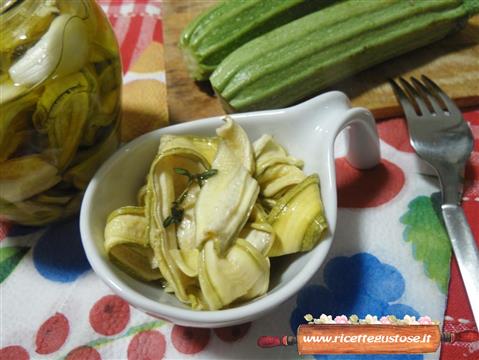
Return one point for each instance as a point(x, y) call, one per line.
point(59, 255)
point(361, 285)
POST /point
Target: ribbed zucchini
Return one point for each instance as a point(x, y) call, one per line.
point(225, 27)
point(302, 57)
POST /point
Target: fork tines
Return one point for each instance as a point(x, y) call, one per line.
point(426, 96)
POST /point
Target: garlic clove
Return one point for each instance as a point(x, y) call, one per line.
point(62, 50)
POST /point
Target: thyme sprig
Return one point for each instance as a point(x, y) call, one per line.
point(200, 178)
point(177, 211)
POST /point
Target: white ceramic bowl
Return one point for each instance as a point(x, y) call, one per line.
point(307, 130)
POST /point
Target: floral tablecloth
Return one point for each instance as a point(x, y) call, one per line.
point(390, 255)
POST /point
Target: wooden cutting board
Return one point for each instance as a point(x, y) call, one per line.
point(452, 62)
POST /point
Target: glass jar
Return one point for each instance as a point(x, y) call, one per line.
point(60, 88)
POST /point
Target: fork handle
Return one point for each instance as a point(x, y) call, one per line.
point(466, 252)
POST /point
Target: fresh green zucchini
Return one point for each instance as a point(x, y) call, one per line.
point(225, 27)
point(300, 58)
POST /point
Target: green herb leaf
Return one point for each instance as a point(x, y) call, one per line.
point(168, 221)
point(177, 214)
point(206, 175)
point(176, 210)
point(184, 172)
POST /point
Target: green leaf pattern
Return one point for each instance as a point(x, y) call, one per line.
point(425, 231)
point(10, 256)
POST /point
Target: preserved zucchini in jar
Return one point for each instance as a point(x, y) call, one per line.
point(60, 89)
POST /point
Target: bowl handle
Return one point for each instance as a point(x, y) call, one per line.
point(362, 139)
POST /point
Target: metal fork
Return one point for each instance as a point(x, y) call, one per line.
point(444, 140)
